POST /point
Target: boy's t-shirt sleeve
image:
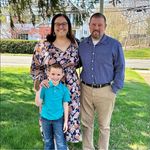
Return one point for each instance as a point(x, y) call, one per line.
point(42, 94)
point(66, 97)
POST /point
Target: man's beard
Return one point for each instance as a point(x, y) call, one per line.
point(96, 34)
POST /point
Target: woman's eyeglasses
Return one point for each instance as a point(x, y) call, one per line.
point(61, 24)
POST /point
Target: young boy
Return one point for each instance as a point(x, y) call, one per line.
point(54, 111)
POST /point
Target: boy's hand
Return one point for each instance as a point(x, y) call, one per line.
point(65, 128)
point(45, 84)
point(38, 102)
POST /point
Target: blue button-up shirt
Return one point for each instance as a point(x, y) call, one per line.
point(102, 63)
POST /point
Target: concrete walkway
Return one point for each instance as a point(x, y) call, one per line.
point(138, 63)
point(7, 60)
point(145, 74)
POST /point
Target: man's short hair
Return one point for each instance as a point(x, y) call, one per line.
point(98, 15)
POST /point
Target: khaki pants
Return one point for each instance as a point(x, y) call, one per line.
point(102, 101)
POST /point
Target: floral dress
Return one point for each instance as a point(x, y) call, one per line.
point(46, 54)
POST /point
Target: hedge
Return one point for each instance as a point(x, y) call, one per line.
point(17, 46)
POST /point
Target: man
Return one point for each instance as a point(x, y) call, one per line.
point(102, 76)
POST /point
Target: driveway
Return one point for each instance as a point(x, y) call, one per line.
point(26, 61)
point(15, 60)
point(145, 74)
point(138, 63)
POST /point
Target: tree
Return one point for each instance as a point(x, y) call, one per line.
point(116, 26)
point(30, 10)
point(148, 25)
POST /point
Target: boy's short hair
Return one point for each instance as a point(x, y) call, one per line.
point(55, 65)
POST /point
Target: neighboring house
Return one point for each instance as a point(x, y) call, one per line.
point(25, 31)
point(29, 32)
point(39, 32)
point(75, 10)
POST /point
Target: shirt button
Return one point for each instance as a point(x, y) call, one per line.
point(93, 53)
point(92, 68)
point(92, 61)
point(92, 76)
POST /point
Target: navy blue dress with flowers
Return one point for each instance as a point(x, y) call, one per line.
point(46, 54)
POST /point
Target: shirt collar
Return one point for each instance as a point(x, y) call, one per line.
point(52, 85)
point(102, 41)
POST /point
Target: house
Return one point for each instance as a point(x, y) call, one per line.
point(30, 32)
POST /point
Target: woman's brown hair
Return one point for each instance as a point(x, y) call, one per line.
point(51, 37)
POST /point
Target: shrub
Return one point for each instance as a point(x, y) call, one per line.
point(17, 46)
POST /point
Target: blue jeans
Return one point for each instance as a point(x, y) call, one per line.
point(53, 129)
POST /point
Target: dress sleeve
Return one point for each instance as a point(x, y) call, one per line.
point(37, 69)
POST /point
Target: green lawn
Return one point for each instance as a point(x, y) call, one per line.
point(143, 53)
point(130, 127)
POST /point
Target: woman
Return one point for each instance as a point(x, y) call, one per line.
point(61, 47)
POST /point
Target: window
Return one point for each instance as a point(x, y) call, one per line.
point(23, 36)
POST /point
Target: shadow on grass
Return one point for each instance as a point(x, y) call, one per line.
point(14, 81)
point(131, 118)
point(19, 115)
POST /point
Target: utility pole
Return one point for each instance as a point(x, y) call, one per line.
point(101, 2)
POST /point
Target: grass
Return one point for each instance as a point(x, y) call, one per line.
point(130, 126)
point(130, 123)
point(143, 53)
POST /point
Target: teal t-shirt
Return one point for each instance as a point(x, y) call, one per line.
point(52, 101)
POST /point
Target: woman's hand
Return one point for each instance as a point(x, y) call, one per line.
point(36, 85)
point(45, 83)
